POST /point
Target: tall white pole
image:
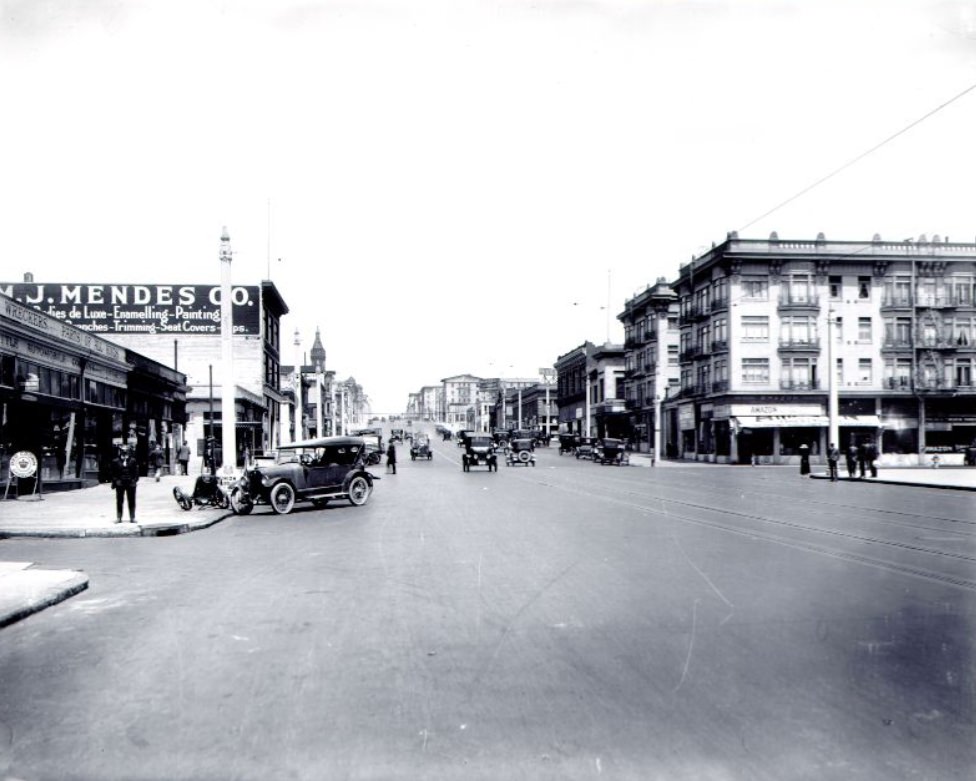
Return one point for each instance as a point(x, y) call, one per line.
point(833, 405)
point(228, 412)
point(299, 403)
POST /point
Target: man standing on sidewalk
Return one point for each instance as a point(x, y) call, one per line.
point(833, 456)
point(125, 475)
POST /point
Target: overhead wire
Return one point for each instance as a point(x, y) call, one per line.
point(861, 156)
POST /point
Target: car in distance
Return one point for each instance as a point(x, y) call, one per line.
point(584, 447)
point(520, 453)
point(611, 451)
point(420, 448)
point(315, 470)
point(479, 450)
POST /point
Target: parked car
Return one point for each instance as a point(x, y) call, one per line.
point(611, 451)
point(520, 453)
point(420, 448)
point(396, 435)
point(462, 436)
point(315, 470)
point(567, 443)
point(479, 450)
point(584, 447)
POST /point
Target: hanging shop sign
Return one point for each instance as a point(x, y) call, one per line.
point(133, 309)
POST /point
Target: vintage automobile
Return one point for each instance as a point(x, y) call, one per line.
point(373, 438)
point(420, 448)
point(479, 450)
point(611, 451)
point(396, 435)
point(520, 453)
point(462, 437)
point(584, 447)
point(567, 443)
point(315, 470)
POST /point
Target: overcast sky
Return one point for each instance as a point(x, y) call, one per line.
point(464, 186)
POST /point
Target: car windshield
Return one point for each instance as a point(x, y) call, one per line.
point(480, 441)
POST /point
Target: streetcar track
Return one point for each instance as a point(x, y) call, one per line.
point(801, 545)
point(846, 507)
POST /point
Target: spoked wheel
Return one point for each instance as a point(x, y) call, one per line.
point(359, 490)
point(282, 498)
point(223, 500)
point(240, 502)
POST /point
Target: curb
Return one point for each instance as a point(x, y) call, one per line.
point(883, 481)
point(75, 583)
point(160, 529)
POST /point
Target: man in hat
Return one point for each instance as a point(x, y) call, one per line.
point(125, 475)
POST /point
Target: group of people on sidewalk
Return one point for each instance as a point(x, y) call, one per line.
point(860, 460)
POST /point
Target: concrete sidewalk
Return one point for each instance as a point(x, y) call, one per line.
point(957, 478)
point(88, 512)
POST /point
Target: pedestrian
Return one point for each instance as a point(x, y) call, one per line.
point(851, 456)
point(125, 475)
point(861, 459)
point(210, 456)
point(156, 460)
point(833, 456)
point(804, 459)
point(871, 458)
point(184, 458)
point(391, 458)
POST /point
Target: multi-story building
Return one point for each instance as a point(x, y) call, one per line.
point(311, 412)
point(503, 402)
point(460, 400)
point(533, 407)
point(590, 391)
point(651, 373)
point(766, 326)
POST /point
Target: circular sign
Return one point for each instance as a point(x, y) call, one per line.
point(23, 464)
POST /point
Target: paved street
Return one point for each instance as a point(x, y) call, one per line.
point(565, 621)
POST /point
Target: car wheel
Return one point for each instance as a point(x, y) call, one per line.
point(240, 502)
point(282, 498)
point(359, 490)
point(524, 456)
point(223, 500)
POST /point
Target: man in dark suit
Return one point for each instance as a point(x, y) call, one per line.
point(125, 475)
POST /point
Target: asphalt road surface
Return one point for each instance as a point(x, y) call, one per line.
point(564, 621)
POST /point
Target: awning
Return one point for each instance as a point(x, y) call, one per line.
point(782, 421)
point(805, 421)
point(869, 421)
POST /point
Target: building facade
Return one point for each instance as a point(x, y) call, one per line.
point(460, 400)
point(179, 326)
point(651, 371)
point(69, 397)
point(769, 327)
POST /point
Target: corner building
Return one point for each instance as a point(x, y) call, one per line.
point(755, 317)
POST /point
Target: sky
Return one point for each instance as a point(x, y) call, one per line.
point(469, 186)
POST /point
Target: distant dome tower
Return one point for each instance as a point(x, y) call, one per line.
point(318, 352)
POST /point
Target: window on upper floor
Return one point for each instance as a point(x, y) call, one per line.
point(864, 287)
point(865, 371)
point(864, 330)
point(755, 328)
point(755, 288)
point(836, 287)
point(755, 370)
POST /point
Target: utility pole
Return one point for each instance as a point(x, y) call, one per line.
point(228, 416)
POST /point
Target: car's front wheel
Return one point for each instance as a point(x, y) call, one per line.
point(282, 498)
point(359, 490)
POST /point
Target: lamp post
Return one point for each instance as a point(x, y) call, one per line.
point(299, 404)
point(228, 412)
point(833, 427)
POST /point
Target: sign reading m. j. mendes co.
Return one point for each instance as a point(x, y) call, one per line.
point(140, 309)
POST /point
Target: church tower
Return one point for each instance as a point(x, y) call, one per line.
point(318, 353)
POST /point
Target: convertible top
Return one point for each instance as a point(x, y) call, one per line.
point(323, 442)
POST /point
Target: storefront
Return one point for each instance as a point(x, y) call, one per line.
point(773, 433)
point(66, 398)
